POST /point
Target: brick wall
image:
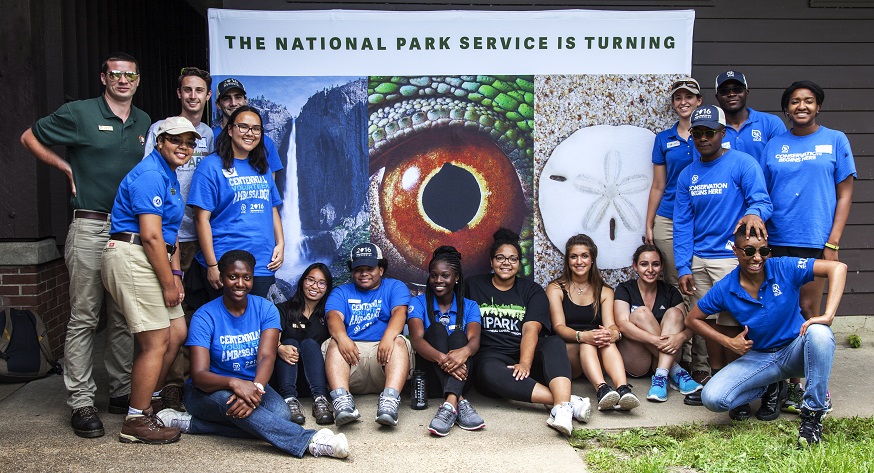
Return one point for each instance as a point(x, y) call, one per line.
point(44, 289)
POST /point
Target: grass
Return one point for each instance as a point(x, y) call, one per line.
point(767, 447)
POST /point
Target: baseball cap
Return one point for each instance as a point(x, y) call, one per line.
point(731, 75)
point(686, 83)
point(365, 254)
point(228, 84)
point(709, 116)
point(177, 126)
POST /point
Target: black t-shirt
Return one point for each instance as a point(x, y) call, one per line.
point(314, 327)
point(504, 312)
point(667, 296)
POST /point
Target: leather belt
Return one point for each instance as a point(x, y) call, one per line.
point(91, 215)
point(135, 239)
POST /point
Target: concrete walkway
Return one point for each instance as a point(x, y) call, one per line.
point(35, 433)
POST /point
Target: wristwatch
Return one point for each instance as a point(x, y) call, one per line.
point(259, 386)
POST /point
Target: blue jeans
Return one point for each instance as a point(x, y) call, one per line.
point(313, 373)
point(745, 379)
point(271, 421)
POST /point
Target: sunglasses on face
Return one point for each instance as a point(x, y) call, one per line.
point(191, 144)
point(244, 128)
point(129, 75)
point(750, 251)
point(709, 134)
point(731, 90)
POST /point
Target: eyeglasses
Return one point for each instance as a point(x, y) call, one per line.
point(709, 134)
point(310, 281)
point(129, 75)
point(190, 144)
point(685, 83)
point(501, 259)
point(731, 90)
point(750, 251)
point(244, 128)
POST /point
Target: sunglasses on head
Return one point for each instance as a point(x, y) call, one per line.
point(129, 75)
point(750, 251)
point(709, 133)
point(685, 83)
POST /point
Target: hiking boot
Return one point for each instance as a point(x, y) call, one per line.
point(693, 399)
point(325, 442)
point(344, 410)
point(810, 432)
point(658, 392)
point(682, 381)
point(627, 399)
point(561, 418)
point(171, 396)
point(742, 412)
point(119, 404)
point(147, 428)
point(387, 410)
point(443, 420)
point(771, 401)
point(177, 419)
point(795, 395)
point(607, 397)
point(296, 410)
point(468, 418)
point(582, 408)
point(322, 411)
point(85, 422)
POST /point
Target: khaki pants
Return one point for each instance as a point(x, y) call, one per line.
point(82, 252)
point(705, 273)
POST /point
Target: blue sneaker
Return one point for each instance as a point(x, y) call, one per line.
point(659, 390)
point(682, 381)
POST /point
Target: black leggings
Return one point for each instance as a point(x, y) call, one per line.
point(438, 382)
point(494, 379)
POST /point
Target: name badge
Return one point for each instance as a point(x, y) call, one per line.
point(673, 144)
point(823, 149)
point(104, 127)
point(353, 301)
point(726, 144)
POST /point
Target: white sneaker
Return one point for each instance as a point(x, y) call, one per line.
point(582, 408)
point(325, 442)
point(561, 418)
point(174, 418)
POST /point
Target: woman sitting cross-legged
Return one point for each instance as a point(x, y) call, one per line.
point(444, 330)
point(233, 343)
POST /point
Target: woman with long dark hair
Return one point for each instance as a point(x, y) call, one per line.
point(236, 204)
point(303, 332)
point(445, 331)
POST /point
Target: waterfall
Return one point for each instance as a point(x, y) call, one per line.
point(295, 261)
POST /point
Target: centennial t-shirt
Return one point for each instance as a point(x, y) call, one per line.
point(667, 296)
point(504, 312)
point(366, 314)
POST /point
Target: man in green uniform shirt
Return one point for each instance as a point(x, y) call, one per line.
point(105, 138)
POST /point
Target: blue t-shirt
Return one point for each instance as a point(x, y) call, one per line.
point(672, 151)
point(711, 198)
point(232, 341)
point(754, 133)
point(241, 202)
point(801, 173)
point(774, 318)
point(273, 161)
point(150, 187)
point(366, 314)
point(449, 319)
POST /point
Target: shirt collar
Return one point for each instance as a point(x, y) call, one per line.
point(739, 291)
point(452, 308)
point(162, 164)
point(109, 114)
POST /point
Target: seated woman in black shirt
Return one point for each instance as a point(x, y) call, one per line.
point(303, 331)
point(650, 313)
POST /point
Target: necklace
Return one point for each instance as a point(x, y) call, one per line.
point(580, 289)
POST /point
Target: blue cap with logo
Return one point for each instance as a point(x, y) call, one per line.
point(365, 254)
point(228, 84)
point(731, 75)
point(709, 116)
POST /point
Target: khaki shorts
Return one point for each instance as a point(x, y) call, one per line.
point(131, 281)
point(705, 273)
point(368, 376)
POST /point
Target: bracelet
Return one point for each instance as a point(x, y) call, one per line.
point(832, 246)
point(177, 272)
point(212, 265)
point(578, 337)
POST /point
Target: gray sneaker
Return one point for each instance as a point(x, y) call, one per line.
point(387, 410)
point(468, 418)
point(443, 420)
point(344, 410)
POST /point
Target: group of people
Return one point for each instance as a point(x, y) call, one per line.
point(179, 224)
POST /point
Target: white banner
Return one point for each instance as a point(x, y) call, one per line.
point(362, 43)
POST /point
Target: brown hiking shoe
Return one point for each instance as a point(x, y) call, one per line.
point(147, 428)
point(172, 397)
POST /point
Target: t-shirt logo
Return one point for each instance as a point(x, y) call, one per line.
point(156, 201)
point(236, 367)
point(776, 289)
point(730, 73)
point(232, 172)
point(802, 264)
point(242, 208)
point(784, 149)
point(757, 135)
point(694, 179)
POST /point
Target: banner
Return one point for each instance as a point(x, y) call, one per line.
point(419, 129)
